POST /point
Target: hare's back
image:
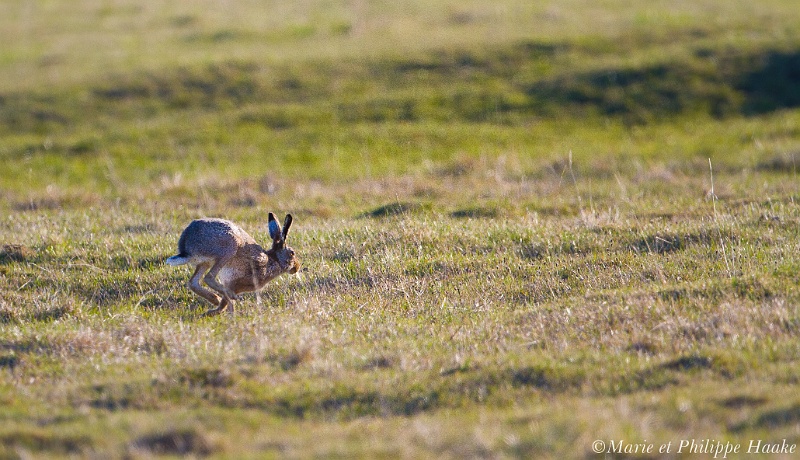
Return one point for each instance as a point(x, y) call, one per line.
point(212, 238)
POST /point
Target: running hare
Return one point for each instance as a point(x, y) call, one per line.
point(231, 260)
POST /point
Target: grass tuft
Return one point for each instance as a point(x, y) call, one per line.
point(15, 253)
point(395, 209)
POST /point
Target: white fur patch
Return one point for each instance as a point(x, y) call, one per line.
point(226, 275)
point(177, 260)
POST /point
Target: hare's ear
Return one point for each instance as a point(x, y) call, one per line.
point(286, 224)
point(274, 229)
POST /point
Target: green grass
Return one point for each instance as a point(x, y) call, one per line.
point(526, 227)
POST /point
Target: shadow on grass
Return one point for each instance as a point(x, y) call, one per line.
point(479, 85)
point(773, 419)
point(667, 243)
point(181, 442)
point(10, 253)
point(670, 372)
point(41, 440)
point(476, 212)
point(397, 208)
point(750, 84)
point(451, 388)
point(773, 84)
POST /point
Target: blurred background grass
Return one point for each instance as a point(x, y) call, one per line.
point(122, 96)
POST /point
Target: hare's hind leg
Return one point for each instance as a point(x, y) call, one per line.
point(223, 305)
point(227, 294)
point(211, 281)
point(194, 284)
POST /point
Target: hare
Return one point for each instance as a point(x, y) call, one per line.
point(230, 261)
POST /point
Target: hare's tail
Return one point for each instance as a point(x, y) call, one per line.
point(178, 260)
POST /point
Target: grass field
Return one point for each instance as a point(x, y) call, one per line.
point(527, 227)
